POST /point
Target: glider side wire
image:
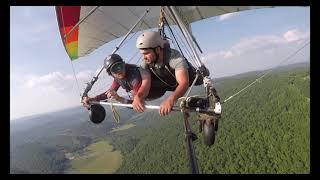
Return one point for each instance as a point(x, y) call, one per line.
point(256, 80)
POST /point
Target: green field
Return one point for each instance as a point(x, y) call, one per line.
point(123, 127)
point(98, 158)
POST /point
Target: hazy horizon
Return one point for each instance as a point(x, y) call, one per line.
point(80, 105)
point(42, 79)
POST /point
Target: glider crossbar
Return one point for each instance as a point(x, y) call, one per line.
point(152, 107)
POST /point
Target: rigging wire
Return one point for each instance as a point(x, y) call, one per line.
point(136, 53)
point(132, 35)
point(184, 49)
point(190, 54)
point(186, 34)
point(135, 49)
point(180, 40)
point(101, 88)
point(95, 78)
point(256, 80)
point(74, 74)
point(80, 21)
point(175, 44)
point(138, 59)
point(173, 22)
point(139, 28)
point(173, 36)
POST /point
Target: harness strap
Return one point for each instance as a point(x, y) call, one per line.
point(115, 114)
point(162, 79)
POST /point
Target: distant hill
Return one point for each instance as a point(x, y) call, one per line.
point(263, 130)
point(256, 73)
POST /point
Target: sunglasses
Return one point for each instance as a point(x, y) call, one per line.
point(117, 68)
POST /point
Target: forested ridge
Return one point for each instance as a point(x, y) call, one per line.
point(265, 129)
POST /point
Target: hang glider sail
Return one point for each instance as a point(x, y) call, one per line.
point(100, 25)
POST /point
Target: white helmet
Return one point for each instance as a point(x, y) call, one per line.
point(150, 39)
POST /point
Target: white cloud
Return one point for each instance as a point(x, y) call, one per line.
point(257, 53)
point(295, 35)
point(255, 43)
point(259, 43)
point(85, 75)
point(227, 16)
point(57, 80)
point(291, 35)
point(247, 45)
point(43, 80)
point(31, 101)
point(228, 54)
point(52, 91)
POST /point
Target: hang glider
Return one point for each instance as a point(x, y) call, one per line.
point(86, 28)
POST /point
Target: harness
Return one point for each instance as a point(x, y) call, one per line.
point(132, 73)
point(166, 74)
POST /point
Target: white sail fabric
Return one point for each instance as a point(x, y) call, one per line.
point(111, 22)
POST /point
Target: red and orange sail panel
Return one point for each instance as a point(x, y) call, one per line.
point(68, 17)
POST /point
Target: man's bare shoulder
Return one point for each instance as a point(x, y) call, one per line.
point(144, 72)
point(177, 61)
point(143, 65)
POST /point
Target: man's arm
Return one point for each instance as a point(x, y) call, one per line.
point(114, 87)
point(182, 77)
point(178, 62)
point(142, 91)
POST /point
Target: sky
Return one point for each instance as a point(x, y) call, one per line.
point(42, 77)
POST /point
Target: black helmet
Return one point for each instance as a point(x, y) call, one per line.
point(111, 60)
point(97, 113)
